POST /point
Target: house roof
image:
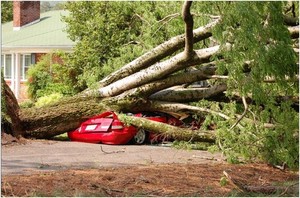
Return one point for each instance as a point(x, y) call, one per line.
point(41, 37)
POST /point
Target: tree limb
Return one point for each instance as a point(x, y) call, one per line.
point(141, 18)
point(188, 94)
point(167, 18)
point(12, 109)
point(58, 118)
point(189, 23)
point(158, 53)
point(157, 71)
point(179, 107)
point(168, 130)
point(291, 21)
point(244, 113)
point(294, 31)
point(148, 89)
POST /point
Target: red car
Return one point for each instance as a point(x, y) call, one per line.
point(106, 128)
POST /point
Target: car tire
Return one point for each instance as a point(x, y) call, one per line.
point(141, 137)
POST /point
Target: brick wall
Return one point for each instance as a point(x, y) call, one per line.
point(38, 56)
point(25, 12)
point(23, 96)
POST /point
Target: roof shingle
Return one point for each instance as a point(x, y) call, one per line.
point(48, 33)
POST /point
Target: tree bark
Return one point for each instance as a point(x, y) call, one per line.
point(61, 117)
point(148, 89)
point(157, 71)
point(294, 31)
point(189, 24)
point(188, 94)
point(168, 130)
point(12, 110)
point(291, 21)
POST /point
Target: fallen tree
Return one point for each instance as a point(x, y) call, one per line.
point(130, 88)
point(158, 81)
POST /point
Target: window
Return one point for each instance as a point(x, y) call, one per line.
point(25, 63)
point(6, 65)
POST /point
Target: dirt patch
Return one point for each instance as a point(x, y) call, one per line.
point(9, 140)
point(150, 180)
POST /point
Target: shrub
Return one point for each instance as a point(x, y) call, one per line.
point(26, 104)
point(46, 100)
point(50, 76)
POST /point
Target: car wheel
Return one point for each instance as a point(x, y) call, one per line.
point(140, 137)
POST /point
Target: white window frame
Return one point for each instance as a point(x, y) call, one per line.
point(3, 58)
point(23, 66)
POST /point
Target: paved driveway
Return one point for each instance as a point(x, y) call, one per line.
point(53, 155)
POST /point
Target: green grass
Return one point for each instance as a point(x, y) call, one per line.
point(61, 137)
point(191, 146)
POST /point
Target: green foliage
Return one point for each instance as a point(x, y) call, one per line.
point(26, 104)
point(223, 181)
point(281, 145)
point(191, 145)
point(6, 11)
point(49, 76)
point(49, 99)
point(61, 137)
point(112, 34)
point(257, 33)
point(103, 28)
point(251, 141)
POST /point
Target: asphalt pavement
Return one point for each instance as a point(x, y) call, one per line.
point(41, 155)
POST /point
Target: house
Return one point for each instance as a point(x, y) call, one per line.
point(25, 39)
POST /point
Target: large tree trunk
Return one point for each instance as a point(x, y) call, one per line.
point(11, 122)
point(149, 83)
point(58, 118)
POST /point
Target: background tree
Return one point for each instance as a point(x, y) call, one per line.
point(45, 6)
point(52, 5)
point(6, 11)
point(113, 33)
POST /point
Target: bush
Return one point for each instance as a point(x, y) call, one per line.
point(50, 76)
point(46, 100)
point(26, 104)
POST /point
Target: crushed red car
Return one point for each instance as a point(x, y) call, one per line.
point(106, 128)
